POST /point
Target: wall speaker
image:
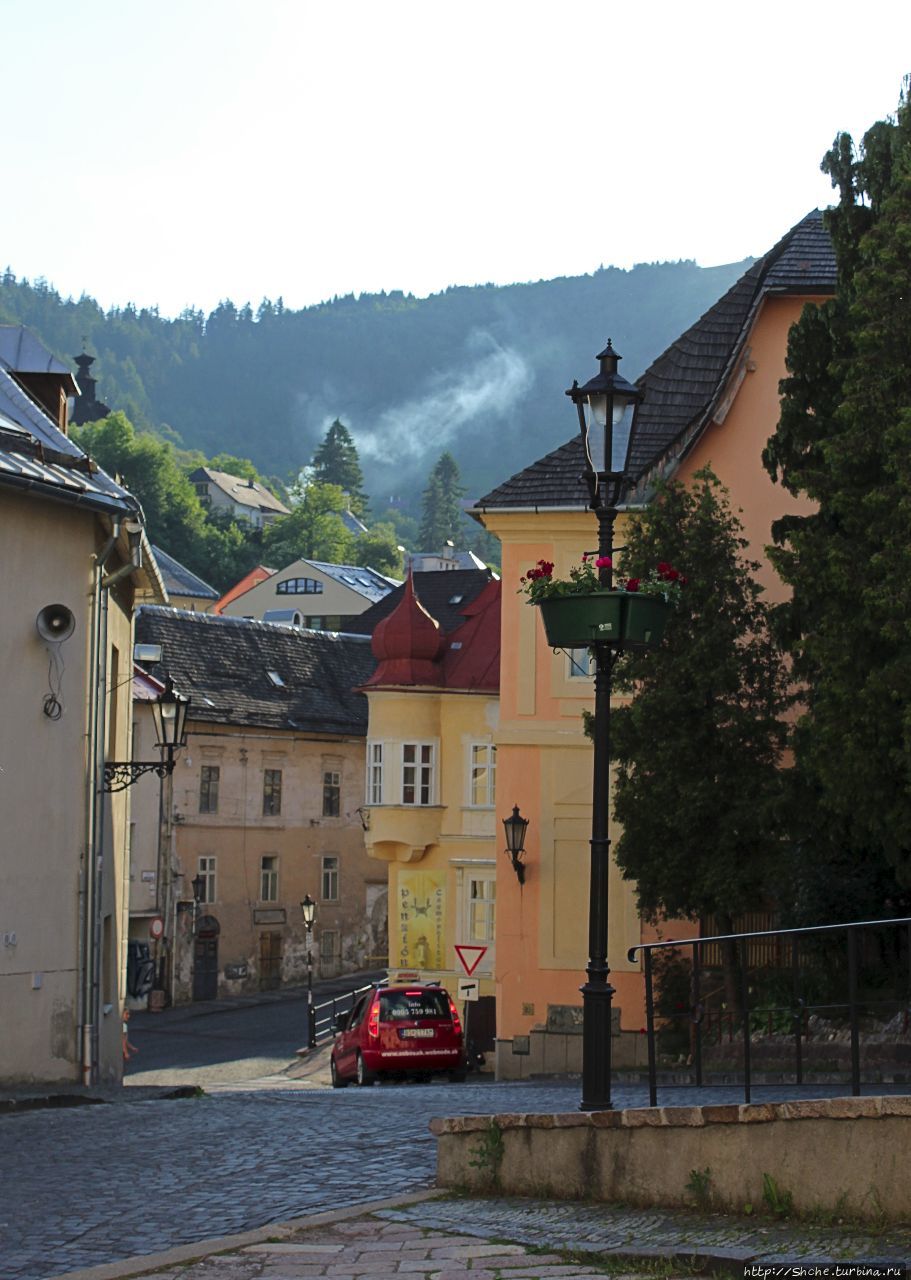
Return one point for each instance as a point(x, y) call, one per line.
point(55, 623)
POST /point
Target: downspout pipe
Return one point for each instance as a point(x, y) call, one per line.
point(89, 881)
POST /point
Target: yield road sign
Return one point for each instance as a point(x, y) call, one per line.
point(470, 957)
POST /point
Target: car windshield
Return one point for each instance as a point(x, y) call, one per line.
point(413, 1004)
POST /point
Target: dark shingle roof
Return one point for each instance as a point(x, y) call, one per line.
point(683, 385)
point(181, 581)
point(223, 664)
point(444, 593)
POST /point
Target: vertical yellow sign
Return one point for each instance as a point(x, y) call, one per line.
point(421, 913)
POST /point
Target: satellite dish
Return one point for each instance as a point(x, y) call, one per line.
point(55, 623)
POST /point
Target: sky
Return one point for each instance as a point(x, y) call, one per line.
point(178, 153)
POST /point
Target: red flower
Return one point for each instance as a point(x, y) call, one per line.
point(663, 567)
point(546, 567)
point(604, 562)
point(669, 574)
point(632, 584)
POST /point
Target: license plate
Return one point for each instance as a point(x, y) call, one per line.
point(415, 1032)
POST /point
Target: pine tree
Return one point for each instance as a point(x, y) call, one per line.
point(697, 750)
point(844, 440)
point(336, 462)
point(442, 518)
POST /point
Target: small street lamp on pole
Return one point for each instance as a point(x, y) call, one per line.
point(606, 409)
point(308, 911)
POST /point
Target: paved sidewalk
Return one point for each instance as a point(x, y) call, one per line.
point(430, 1236)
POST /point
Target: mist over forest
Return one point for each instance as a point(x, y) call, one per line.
point(479, 371)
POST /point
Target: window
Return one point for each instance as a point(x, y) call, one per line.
point(483, 777)
point(330, 878)
point(206, 868)
point(268, 878)
point(332, 792)
point(299, 587)
point(481, 909)
point(580, 664)
point(272, 792)
point(417, 773)
point(375, 773)
point(209, 775)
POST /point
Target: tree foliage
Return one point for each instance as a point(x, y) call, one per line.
point(698, 748)
point(336, 462)
point(315, 530)
point(442, 517)
point(844, 440)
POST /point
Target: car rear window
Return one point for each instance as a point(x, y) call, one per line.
point(413, 1004)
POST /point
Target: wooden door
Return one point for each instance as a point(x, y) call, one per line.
point(205, 968)
point(270, 961)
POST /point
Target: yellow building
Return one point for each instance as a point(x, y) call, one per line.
point(431, 787)
point(74, 562)
point(713, 398)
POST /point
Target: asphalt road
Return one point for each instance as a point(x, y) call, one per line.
point(220, 1042)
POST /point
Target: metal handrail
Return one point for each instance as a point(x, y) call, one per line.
point(741, 941)
point(325, 1022)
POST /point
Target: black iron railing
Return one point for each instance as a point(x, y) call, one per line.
point(325, 1013)
point(830, 960)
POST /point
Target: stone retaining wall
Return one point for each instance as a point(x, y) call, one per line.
point(849, 1157)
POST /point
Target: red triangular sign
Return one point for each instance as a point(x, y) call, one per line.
point(470, 957)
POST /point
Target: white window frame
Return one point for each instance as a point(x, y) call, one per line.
point(482, 758)
point(268, 878)
point(330, 877)
point(487, 935)
point(374, 781)
point(576, 660)
point(206, 867)
point(423, 780)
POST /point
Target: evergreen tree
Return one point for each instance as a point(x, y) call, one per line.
point(314, 529)
point(844, 441)
point(336, 462)
point(442, 518)
point(697, 750)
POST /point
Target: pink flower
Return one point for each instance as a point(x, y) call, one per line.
point(604, 562)
point(632, 584)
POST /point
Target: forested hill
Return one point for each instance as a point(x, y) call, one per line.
point(479, 371)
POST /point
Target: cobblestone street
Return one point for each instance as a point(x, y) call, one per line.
point(88, 1185)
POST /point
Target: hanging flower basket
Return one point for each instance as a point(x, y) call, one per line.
point(621, 618)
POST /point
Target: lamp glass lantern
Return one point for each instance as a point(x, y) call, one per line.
point(607, 407)
point(308, 911)
point(515, 827)
point(169, 712)
point(199, 888)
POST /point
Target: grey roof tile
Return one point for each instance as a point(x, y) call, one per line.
point(444, 593)
point(222, 664)
point(683, 384)
point(181, 581)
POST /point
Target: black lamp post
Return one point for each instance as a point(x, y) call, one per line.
point(308, 911)
point(169, 712)
point(606, 408)
point(515, 827)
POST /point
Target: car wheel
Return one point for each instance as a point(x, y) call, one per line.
point(364, 1077)
point(337, 1081)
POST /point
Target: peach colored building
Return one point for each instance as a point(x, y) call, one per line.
point(712, 397)
point(265, 804)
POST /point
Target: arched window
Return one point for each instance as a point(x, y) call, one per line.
point(299, 587)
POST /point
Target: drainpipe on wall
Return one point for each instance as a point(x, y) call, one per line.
point(89, 888)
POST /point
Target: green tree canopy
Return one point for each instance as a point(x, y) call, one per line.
point(442, 517)
point(844, 440)
point(336, 462)
point(314, 529)
point(698, 748)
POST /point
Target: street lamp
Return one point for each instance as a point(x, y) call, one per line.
point(308, 911)
point(169, 713)
point(515, 828)
point(606, 407)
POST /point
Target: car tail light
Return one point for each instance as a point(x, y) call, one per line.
point(456, 1023)
point(373, 1019)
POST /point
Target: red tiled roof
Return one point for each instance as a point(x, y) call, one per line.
point(252, 579)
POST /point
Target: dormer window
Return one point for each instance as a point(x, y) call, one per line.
point(299, 587)
point(276, 679)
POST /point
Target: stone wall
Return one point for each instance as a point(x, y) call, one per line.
point(849, 1156)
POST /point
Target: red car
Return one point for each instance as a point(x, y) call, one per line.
point(398, 1031)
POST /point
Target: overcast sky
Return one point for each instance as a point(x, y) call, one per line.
point(183, 151)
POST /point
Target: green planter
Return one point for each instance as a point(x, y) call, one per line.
point(620, 618)
point(644, 620)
